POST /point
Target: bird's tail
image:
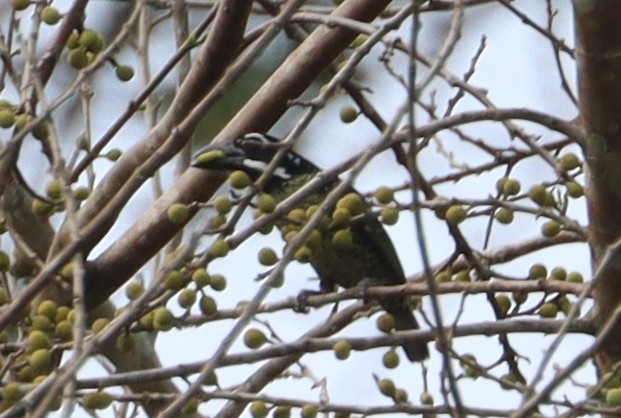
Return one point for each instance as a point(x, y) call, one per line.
point(405, 320)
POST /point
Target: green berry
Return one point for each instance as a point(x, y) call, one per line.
point(20, 4)
point(550, 229)
point(114, 154)
point(163, 319)
point(444, 276)
point(134, 289)
point(210, 156)
point(217, 282)
point(538, 194)
point(267, 256)
point(220, 248)
point(340, 218)
point(387, 387)
point(48, 308)
point(223, 204)
point(537, 272)
point(201, 277)
point(55, 190)
point(5, 263)
point(352, 202)
point(239, 179)
point(569, 162)
point(73, 41)
point(519, 297)
point(613, 397)
point(7, 118)
point(360, 39)
point(178, 213)
point(504, 303)
point(574, 189)
point(254, 338)
point(186, 298)
point(38, 339)
point(511, 187)
point(504, 216)
point(266, 203)
point(309, 411)
point(384, 195)
point(558, 273)
point(81, 193)
point(42, 322)
point(258, 409)
point(12, 393)
point(391, 360)
point(342, 349)
point(342, 239)
point(41, 208)
point(91, 40)
point(455, 214)
point(548, 310)
point(41, 130)
point(426, 398)
point(507, 381)
point(463, 276)
point(281, 411)
point(190, 408)
point(124, 72)
point(208, 305)
point(63, 331)
point(41, 359)
point(348, 114)
point(97, 400)
point(174, 280)
point(4, 297)
point(77, 58)
point(303, 254)
point(50, 15)
point(385, 323)
point(99, 324)
point(401, 396)
point(575, 277)
point(389, 215)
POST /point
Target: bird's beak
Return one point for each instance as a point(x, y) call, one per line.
point(222, 155)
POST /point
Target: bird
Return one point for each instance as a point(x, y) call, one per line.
point(367, 255)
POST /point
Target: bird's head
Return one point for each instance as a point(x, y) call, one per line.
point(252, 153)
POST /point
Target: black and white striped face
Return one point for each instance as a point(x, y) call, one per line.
point(252, 153)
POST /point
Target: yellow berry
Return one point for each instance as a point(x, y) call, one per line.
point(41, 208)
point(55, 190)
point(384, 195)
point(297, 216)
point(99, 324)
point(134, 289)
point(303, 254)
point(38, 339)
point(114, 154)
point(254, 338)
point(81, 193)
point(444, 276)
point(63, 330)
point(91, 40)
point(47, 308)
point(178, 213)
point(340, 218)
point(538, 194)
point(309, 411)
point(558, 273)
point(12, 393)
point(511, 187)
point(208, 157)
point(4, 296)
point(342, 349)
point(574, 277)
point(426, 398)
point(613, 397)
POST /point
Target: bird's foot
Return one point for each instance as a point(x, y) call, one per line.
point(302, 300)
